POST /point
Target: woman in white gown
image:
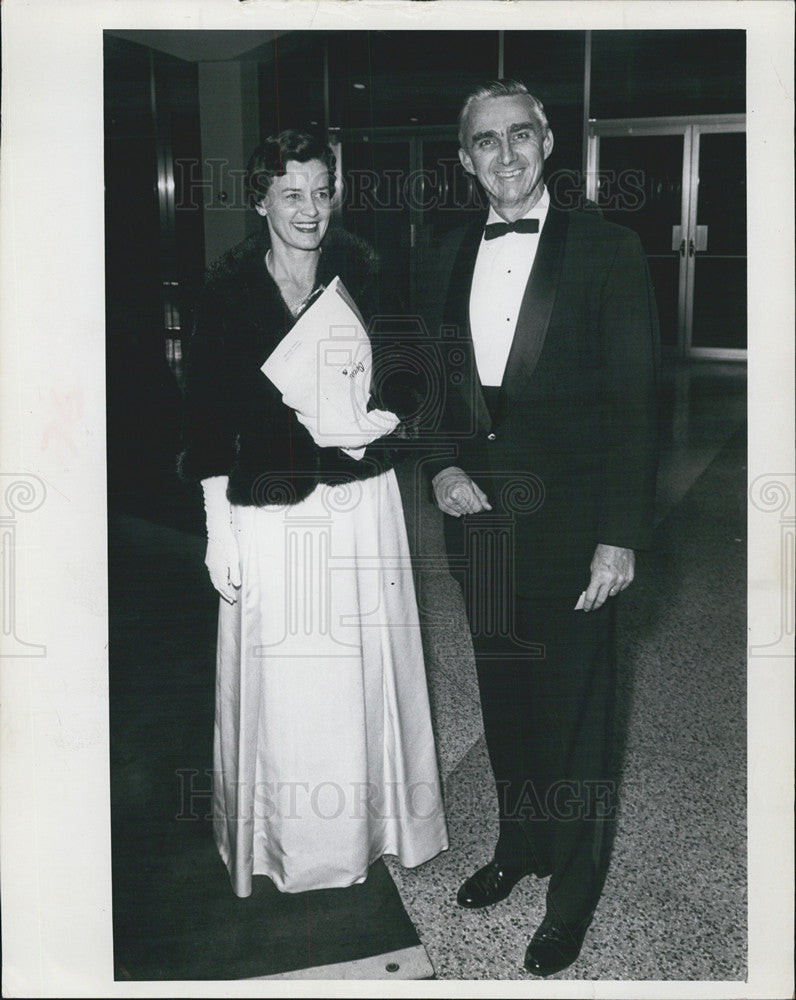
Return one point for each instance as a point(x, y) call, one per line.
point(324, 756)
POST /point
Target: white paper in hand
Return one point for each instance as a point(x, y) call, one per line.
point(323, 368)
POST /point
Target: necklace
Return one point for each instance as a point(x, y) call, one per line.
point(294, 304)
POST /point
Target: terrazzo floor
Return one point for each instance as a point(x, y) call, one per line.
point(674, 905)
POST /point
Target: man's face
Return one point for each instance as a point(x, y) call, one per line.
point(505, 149)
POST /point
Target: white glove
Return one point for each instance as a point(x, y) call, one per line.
point(222, 558)
point(369, 427)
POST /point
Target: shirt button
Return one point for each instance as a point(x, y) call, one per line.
point(491, 437)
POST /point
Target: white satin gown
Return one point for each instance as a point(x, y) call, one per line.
point(324, 756)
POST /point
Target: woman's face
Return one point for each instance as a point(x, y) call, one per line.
point(298, 205)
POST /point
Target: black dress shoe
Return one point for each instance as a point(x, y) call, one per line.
point(554, 946)
point(489, 885)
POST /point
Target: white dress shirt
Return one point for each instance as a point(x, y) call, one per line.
point(502, 269)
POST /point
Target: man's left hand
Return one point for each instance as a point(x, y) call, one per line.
point(612, 570)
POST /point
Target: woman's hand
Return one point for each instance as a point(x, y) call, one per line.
point(369, 427)
point(222, 557)
point(223, 564)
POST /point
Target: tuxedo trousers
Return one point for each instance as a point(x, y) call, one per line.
point(547, 684)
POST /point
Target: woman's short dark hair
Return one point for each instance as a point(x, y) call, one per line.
point(270, 159)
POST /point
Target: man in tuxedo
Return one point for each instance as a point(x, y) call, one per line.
point(548, 429)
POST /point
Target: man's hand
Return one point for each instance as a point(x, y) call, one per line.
point(612, 570)
point(457, 494)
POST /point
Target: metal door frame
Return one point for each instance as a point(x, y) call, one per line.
point(690, 127)
point(738, 124)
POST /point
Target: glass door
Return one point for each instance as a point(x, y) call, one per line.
point(376, 202)
point(403, 190)
point(640, 185)
point(681, 184)
point(717, 318)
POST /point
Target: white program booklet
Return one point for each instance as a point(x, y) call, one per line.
point(323, 368)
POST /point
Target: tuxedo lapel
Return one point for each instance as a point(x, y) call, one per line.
point(457, 303)
point(537, 305)
point(457, 314)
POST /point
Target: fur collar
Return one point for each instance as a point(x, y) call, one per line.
point(342, 253)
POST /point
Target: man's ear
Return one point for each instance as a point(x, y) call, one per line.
point(466, 162)
point(547, 144)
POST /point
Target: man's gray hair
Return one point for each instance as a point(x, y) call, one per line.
point(501, 88)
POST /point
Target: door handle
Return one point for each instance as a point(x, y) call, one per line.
point(691, 248)
point(682, 248)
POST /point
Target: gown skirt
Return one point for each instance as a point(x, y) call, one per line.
point(324, 756)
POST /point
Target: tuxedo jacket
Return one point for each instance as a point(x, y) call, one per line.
point(568, 454)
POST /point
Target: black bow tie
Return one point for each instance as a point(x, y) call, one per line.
point(495, 229)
